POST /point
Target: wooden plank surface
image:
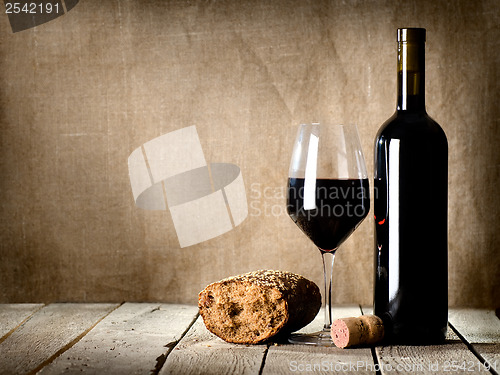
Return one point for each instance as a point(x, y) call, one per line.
point(481, 329)
point(48, 333)
point(288, 358)
point(200, 352)
point(136, 338)
point(130, 340)
point(476, 325)
point(452, 357)
point(13, 314)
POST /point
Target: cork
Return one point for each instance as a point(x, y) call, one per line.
point(363, 330)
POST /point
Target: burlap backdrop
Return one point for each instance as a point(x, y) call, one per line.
point(79, 93)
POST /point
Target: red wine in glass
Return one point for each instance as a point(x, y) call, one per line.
point(341, 205)
point(327, 197)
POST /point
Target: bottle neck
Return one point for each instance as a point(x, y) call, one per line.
point(411, 76)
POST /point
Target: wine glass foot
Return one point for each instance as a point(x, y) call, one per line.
point(321, 338)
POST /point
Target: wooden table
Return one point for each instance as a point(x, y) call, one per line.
point(155, 338)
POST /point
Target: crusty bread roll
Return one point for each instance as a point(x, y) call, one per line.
point(253, 307)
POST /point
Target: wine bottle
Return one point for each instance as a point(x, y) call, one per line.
point(410, 208)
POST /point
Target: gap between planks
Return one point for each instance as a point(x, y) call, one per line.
point(286, 358)
point(487, 365)
point(365, 310)
point(40, 338)
point(29, 311)
point(69, 345)
point(160, 361)
point(462, 354)
point(456, 355)
point(131, 339)
point(479, 329)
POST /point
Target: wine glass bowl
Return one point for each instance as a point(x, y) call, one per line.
point(327, 197)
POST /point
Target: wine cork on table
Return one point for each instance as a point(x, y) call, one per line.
point(363, 330)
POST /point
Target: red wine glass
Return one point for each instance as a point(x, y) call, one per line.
point(327, 197)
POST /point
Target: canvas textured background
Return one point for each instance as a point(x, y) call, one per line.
point(80, 93)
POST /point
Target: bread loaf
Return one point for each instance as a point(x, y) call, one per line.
point(253, 307)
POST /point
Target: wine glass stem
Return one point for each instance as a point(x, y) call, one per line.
point(328, 259)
